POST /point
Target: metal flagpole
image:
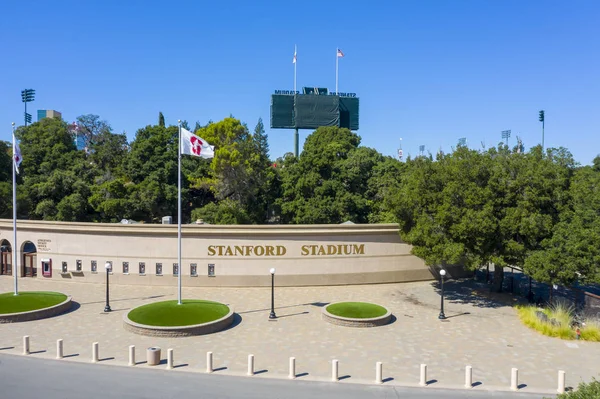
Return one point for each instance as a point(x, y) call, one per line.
point(179, 217)
point(336, 70)
point(14, 246)
point(295, 64)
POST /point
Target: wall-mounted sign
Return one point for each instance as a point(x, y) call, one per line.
point(43, 245)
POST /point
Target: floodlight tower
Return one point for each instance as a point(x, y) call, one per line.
point(542, 117)
point(462, 141)
point(27, 95)
point(505, 135)
point(421, 149)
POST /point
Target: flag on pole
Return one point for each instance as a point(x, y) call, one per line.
point(295, 58)
point(16, 155)
point(339, 53)
point(196, 146)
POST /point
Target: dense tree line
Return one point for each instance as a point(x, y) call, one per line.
point(537, 211)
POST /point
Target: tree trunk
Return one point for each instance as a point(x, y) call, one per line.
point(498, 278)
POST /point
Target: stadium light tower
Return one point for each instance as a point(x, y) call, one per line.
point(542, 117)
point(505, 136)
point(421, 149)
point(462, 141)
point(27, 96)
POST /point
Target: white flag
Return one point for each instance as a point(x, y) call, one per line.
point(16, 155)
point(295, 58)
point(194, 145)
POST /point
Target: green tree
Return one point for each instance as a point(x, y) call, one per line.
point(329, 181)
point(161, 119)
point(91, 126)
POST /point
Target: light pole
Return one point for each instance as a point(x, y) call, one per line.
point(442, 316)
point(107, 266)
point(542, 117)
point(506, 135)
point(272, 315)
point(27, 95)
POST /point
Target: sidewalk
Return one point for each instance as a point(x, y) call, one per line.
point(483, 333)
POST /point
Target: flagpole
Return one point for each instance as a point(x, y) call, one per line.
point(179, 268)
point(336, 70)
point(295, 64)
point(14, 247)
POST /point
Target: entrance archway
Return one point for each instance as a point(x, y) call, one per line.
point(29, 252)
point(5, 258)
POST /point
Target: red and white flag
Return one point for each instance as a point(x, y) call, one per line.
point(339, 53)
point(16, 155)
point(196, 146)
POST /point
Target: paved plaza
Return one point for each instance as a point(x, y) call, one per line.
point(480, 331)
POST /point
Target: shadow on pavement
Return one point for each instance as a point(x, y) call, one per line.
point(387, 379)
point(472, 293)
point(33, 353)
point(292, 314)
point(261, 371)
point(344, 377)
point(125, 299)
point(6, 348)
point(71, 355)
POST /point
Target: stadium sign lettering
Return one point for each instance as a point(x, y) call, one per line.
point(280, 250)
point(292, 92)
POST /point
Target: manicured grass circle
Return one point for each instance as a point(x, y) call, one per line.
point(356, 310)
point(29, 300)
point(170, 314)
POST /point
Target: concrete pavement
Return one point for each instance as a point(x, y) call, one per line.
point(480, 332)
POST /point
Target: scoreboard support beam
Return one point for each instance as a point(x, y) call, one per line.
point(296, 140)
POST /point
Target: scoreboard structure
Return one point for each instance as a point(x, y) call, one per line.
point(314, 108)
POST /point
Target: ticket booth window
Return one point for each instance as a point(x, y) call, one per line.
point(211, 270)
point(193, 270)
point(125, 267)
point(142, 266)
point(175, 269)
point(94, 266)
point(159, 269)
point(78, 265)
point(64, 267)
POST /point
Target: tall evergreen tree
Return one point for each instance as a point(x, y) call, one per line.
point(161, 119)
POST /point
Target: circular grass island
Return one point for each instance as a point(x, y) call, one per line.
point(169, 319)
point(356, 314)
point(32, 305)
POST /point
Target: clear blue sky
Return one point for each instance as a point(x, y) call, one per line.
point(429, 72)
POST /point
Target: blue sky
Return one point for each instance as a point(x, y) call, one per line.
point(428, 72)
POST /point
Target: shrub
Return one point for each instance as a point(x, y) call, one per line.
point(583, 391)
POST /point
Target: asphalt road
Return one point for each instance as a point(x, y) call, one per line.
point(24, 377)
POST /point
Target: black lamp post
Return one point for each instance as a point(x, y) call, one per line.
point(272, 315)
point(442, 316)
point(107, 266)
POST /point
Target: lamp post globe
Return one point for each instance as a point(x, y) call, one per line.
point(442, 316)
point(107, 266)
point(272, 315)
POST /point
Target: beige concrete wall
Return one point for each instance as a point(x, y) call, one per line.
point(301, 254)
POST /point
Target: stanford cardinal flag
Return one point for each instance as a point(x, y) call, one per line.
point(194, 145)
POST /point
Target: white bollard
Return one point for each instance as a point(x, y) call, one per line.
point(561, 382)
point(95, 352)
point(250, 364)
point(209, 362)
point(334, 370)
point(292, 368)
point(468, 377)
point(423, 376)
point(59, 348)
point(26, 344)
point(514, 379)
point(132, 355)
point(169, 359)
point(378, 372)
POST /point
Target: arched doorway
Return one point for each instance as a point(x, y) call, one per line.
point(5, 258)
point(29, 259)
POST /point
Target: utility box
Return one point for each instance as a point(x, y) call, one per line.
point(167, 219)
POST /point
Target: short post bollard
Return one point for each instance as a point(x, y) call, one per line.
point(95, 352)
point(378, 372)
point(423, 375)
point(561, 382)
point(132, 355)
point(514, 379)
point(334, 370)
point(59, 348)
point(468, 377)
point(209, 362)
point(250, 364)
point(169, 359)
point(26, 344)
point(292, 368)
